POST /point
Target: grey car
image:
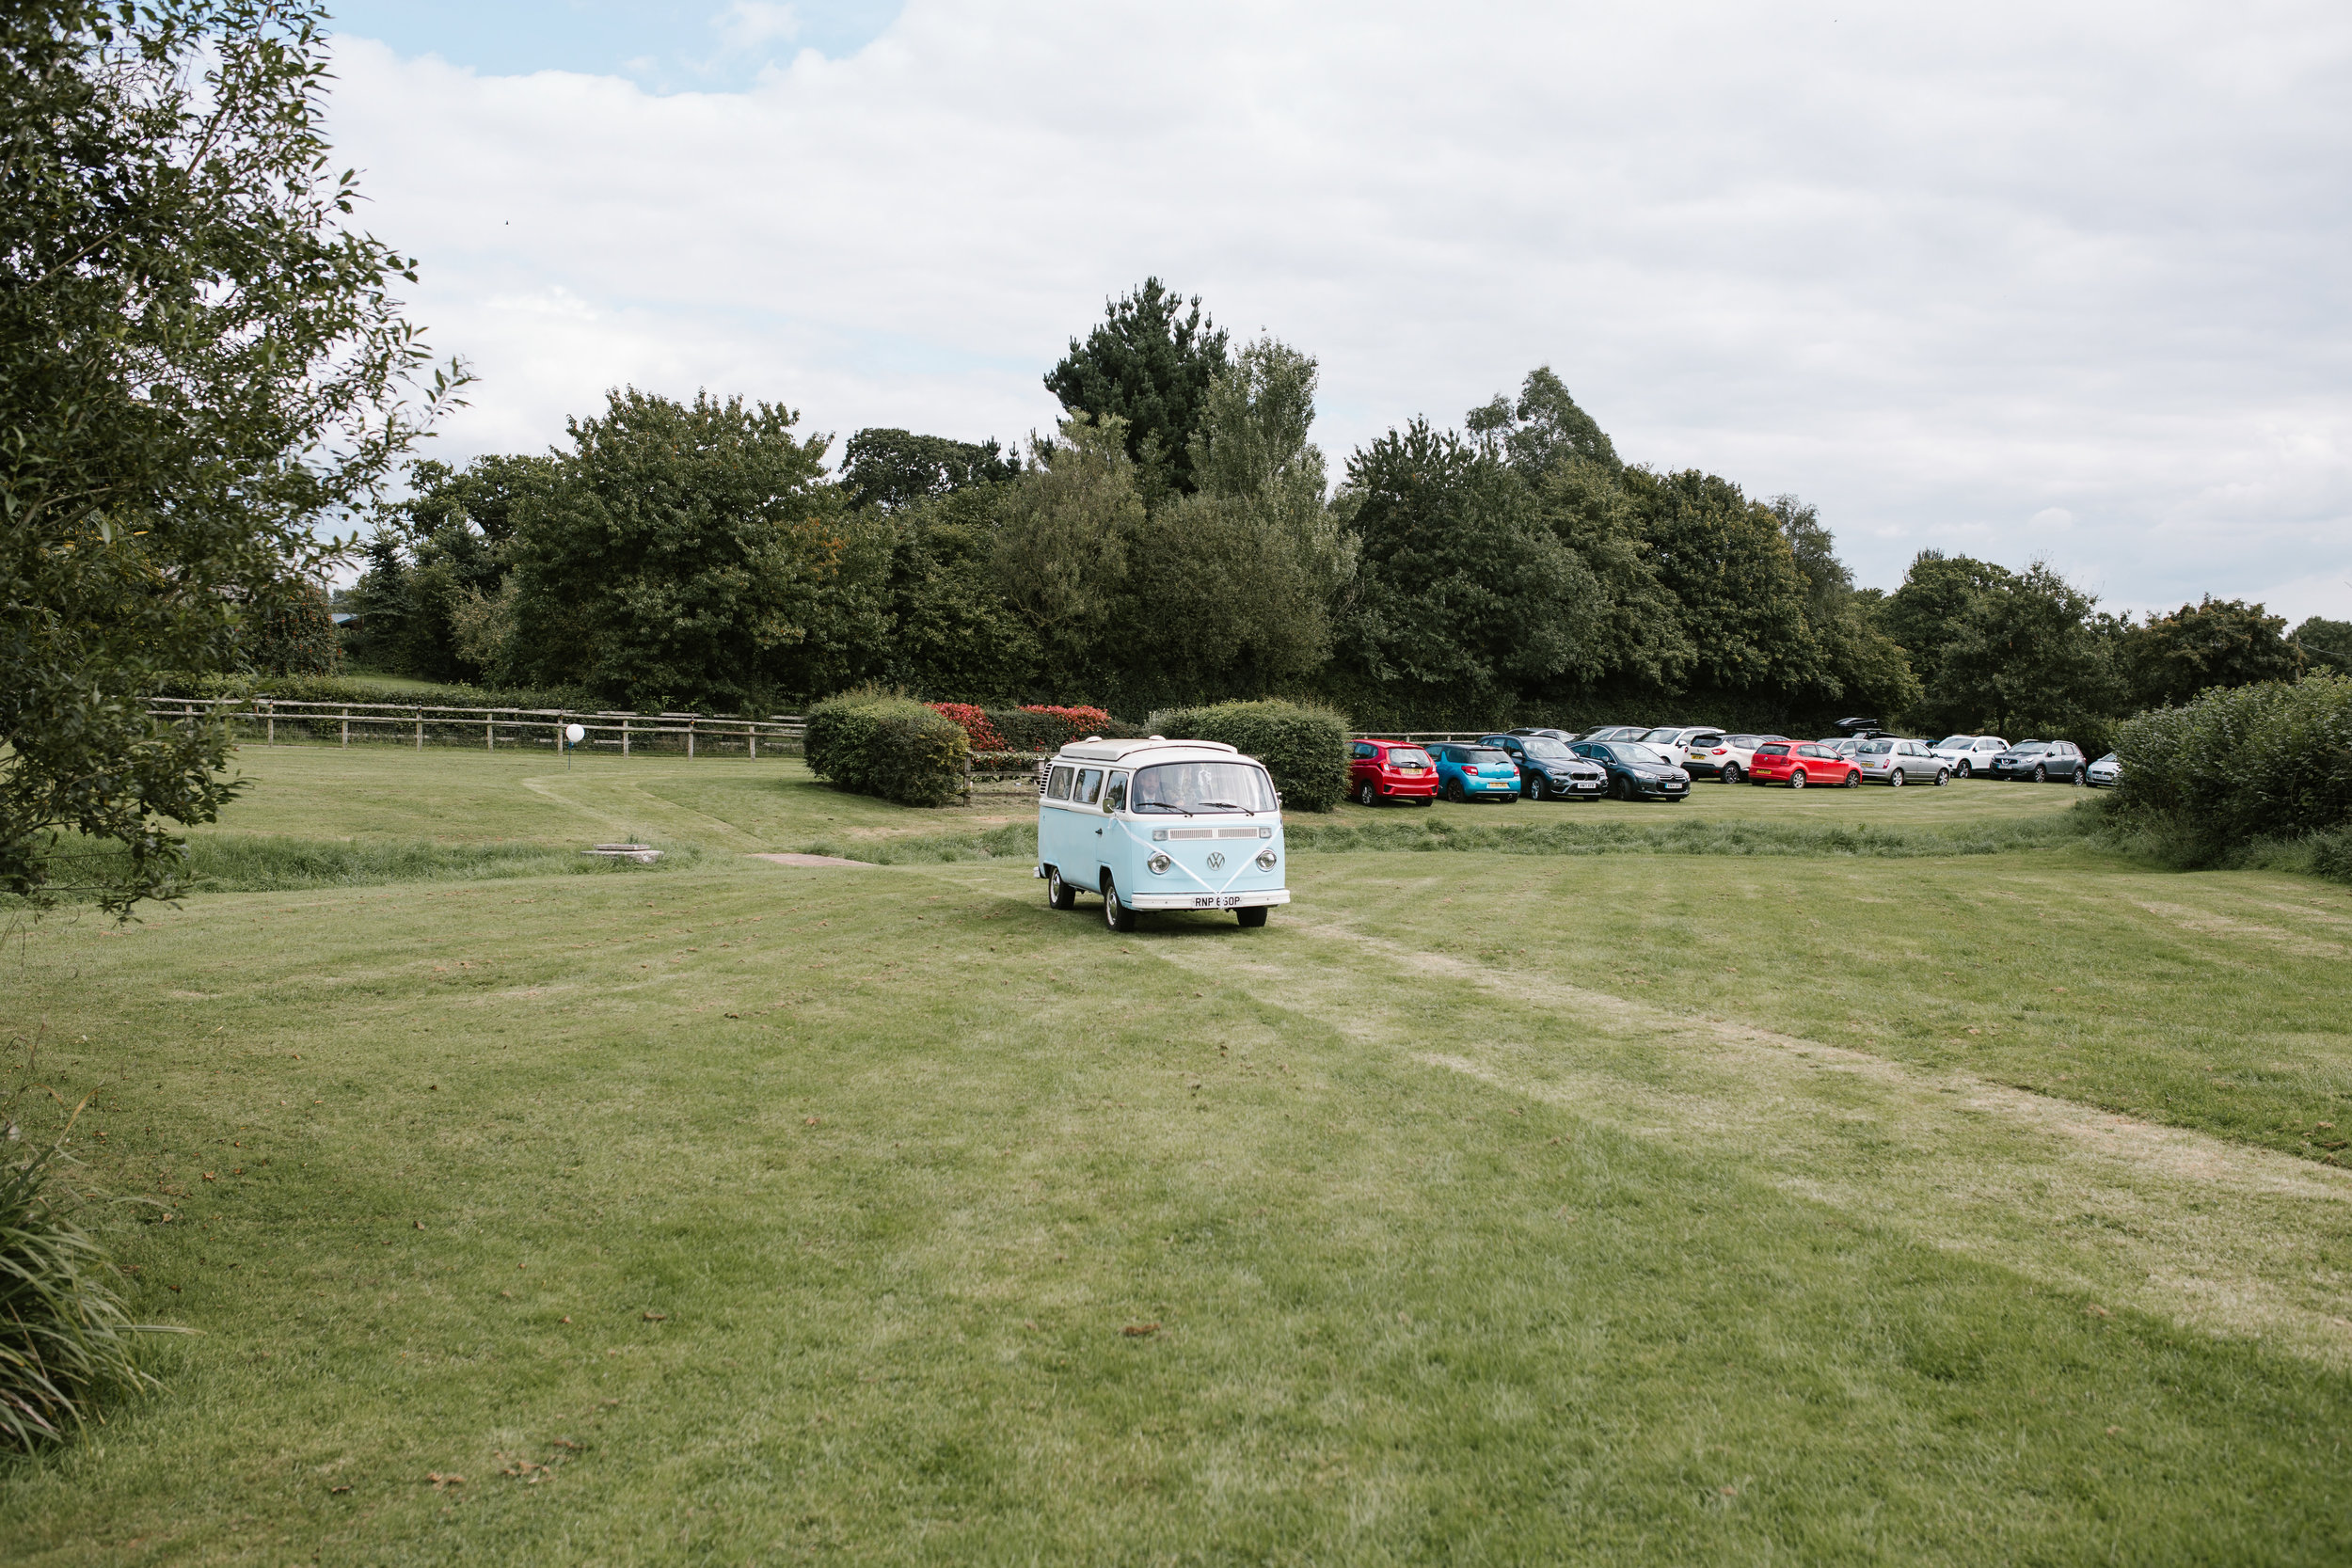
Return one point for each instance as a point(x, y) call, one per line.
point(1885, 759)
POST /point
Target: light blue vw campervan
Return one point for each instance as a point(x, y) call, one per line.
point(1160, 825)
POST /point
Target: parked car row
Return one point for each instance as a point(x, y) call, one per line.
point(1630, 762)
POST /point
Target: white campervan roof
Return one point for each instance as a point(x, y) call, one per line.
point(1129, 750)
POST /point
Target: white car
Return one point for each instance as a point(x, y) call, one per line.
point(1968, 754)
point(1713, 754)
point(2103, 774)
point(1675, 741)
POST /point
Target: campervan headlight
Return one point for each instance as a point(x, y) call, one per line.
point(1265, 859)
point(1159, 865)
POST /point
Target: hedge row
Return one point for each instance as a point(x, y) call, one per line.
point(878, 743)
point(359, 689)
point(2272, 760)
point(1305, 748)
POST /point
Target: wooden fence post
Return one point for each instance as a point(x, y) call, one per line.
point(419, 713)
point(751, 732)
point(269, 721)
point(489, 734)
point(346, 728)
point(624, 736)
point(690, 741)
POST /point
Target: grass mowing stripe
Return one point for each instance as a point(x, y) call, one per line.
point(1694, 836)
point(274, 863)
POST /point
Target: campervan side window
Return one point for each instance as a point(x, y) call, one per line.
point(1115, 799)
point(1060, 788)
point(1090, 785)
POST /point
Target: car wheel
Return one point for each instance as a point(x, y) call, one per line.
point(1366, 795)
point(1253, 917)
point(1963, 768)
point(1058, 893)
point(1427, 800)
point(2040, 774)
point(1895, 777)
point(1942, 777)
point(1732, 773)
point(1796, 780)
point(1539, 791)
point(2075, 778)
point(1454, 791)
point(1117, 916)
point(1853, 778)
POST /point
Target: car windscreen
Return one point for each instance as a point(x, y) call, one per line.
point(1479, 756)
point(1874, 748)
point(1954, 742)
point(1670, 736)
point(1407, 756)
point(1193, 787)
point(2031, 746)
point(1746, 742)
point(1549, 750)
point(1625, 750)
point(1774, 749)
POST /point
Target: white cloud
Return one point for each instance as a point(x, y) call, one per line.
point(1943, 274)
point(750, 23)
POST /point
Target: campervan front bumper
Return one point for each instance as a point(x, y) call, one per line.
point(1230, 900)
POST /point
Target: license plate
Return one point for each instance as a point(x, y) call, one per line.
point(1218, 901)
point(1673, 787)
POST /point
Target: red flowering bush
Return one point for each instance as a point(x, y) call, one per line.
point(1081, 721)
point(975, 723)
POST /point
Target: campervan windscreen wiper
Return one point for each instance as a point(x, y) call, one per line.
point(1229, 805)
point(1160, 805)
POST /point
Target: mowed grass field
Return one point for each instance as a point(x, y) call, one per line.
point(1485, 1206)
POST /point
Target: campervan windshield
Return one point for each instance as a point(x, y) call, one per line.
point(1193, 789)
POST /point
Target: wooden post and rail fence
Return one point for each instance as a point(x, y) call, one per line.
point(694, 733)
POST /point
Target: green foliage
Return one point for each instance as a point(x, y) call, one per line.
point(2326, 644)
point(2005, 653)
point(682, 554)
point(288, 628)
point(437, 600)
point(359, 689)
point(895, 469)
point(1463, 587)
point(1150, 365)
point(1733, 579)
point(198, 360)
point(1060, 551)
point(1304, 748)
point(954, 634)
point(1545, 430)
point(2170, 658)
point(879, 743)
point(2241, 763)
point(65, 1338)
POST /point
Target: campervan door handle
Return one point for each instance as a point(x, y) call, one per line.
point(1098, 833)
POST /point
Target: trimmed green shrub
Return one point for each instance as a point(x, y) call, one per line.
point(65, 1339)
point(878, 743)
point(2268, 761)
point(1304, 748)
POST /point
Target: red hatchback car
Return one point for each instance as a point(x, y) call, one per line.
point(1381, 770)
point(1799, 762)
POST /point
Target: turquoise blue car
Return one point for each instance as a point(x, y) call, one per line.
point(1467, 771)
point(1160, 825)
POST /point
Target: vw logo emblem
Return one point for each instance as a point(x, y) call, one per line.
point(1217, 860)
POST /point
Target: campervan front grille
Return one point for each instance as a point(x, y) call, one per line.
point(1212, 832)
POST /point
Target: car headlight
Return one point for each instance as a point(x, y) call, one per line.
point(1265, 859)
point(1159, 865)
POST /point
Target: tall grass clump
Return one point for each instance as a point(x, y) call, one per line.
point(1305, 748)
point(66, 1341)
point(2249, 773)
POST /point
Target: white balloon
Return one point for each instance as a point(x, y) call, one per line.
point(574, 733)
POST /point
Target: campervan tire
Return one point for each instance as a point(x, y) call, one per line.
point(1251, 918)
point(1058, 893)
point(1117, 916)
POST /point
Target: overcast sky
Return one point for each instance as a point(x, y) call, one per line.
point(2072, 281)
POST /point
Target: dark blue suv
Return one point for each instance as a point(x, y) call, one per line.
point(1636, 773)
point(1548, 770)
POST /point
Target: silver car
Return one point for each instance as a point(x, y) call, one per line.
point(1967, 754)
point(1886, 760)
point(2103, 774)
